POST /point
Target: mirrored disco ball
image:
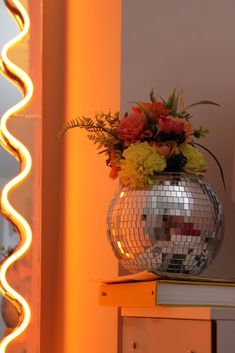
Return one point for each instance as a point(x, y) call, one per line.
point(174, 226)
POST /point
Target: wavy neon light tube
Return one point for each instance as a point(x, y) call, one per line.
point(16, 148)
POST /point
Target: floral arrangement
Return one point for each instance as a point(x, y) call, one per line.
point(156, 136)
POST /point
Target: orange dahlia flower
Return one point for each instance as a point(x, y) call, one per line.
point(155, 109)
point(133, 128)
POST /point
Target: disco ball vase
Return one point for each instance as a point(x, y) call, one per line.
point(174, 226)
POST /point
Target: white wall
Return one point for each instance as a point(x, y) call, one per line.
point(9, 94)
point(189, 44)
point(26, 128)
point(8, 165)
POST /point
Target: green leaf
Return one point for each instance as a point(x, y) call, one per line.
point(155, 130)
point(182, 102)
point(171, 99)
point(103, 151)
point(152, 97)
point(172, 102)
point(144, 110)
point(184, 115)
point(163, 101)
point(201, 103)
point(201, 132)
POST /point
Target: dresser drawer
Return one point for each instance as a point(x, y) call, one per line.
point(152, 335)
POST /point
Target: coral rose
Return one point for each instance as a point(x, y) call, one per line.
point(171, 124)
point(133, 128)
point(165, 149)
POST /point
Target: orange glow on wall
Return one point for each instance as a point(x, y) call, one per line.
point(93, 83)
point(20, 152)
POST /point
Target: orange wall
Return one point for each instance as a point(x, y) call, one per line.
point(93, 83)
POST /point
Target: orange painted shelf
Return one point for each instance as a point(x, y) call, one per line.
point(140, 299)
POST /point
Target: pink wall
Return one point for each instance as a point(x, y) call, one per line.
point(189, 44)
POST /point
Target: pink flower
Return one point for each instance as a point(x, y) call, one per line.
point(188, 129)
point(133, 128)
point(171, 124)
point(165, 149)
point(178, 125)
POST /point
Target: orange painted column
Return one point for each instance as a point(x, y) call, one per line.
point(92, 84)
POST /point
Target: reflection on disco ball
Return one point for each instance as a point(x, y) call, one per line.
point(174, 226)
point(10, 314)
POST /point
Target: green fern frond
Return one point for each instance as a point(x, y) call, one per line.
point(113, 120)
point(102, 131)
point(105, 123)
point(69, 125)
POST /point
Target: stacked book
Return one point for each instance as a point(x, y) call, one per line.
point(146, 289)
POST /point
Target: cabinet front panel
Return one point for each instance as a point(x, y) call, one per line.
point(226, 336)
point(146, 335)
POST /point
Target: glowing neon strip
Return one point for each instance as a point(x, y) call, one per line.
point(15, 147)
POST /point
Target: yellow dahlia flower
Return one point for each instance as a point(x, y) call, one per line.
point(196, 162)
point(140, 163)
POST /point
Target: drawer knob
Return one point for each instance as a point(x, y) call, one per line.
point(189, 351)
point(133, 345)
